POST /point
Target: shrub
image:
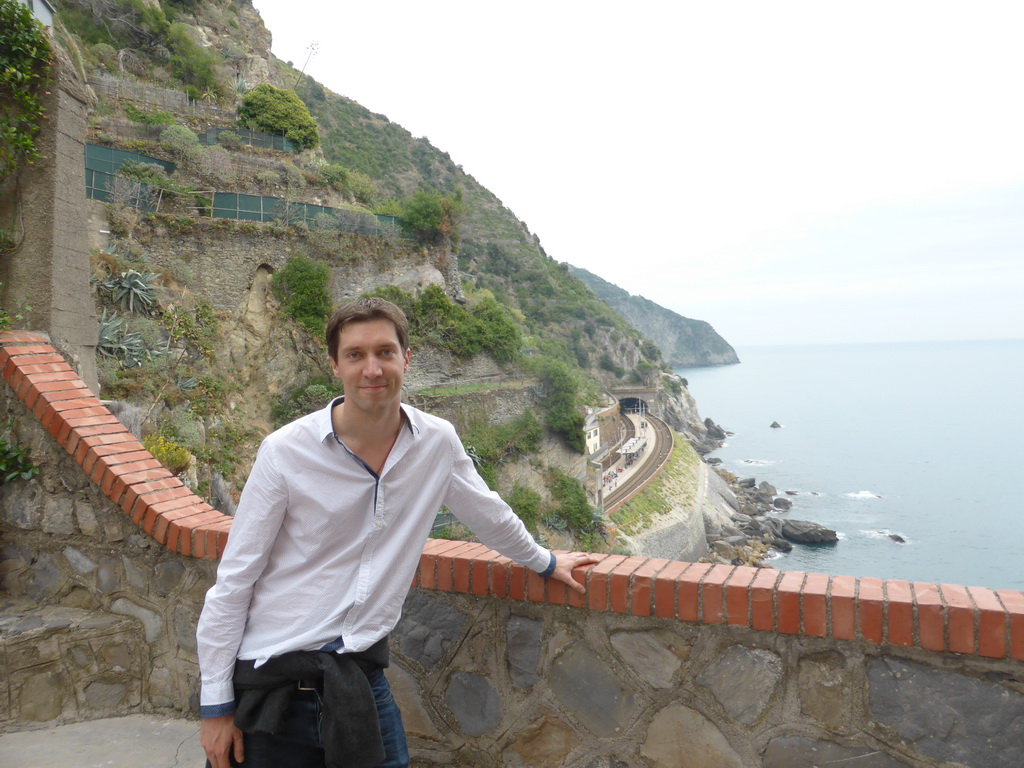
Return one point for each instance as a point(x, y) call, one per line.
point(214, 163)
point(279, 111)
point(180, 141)
point(157, 117)
point(431, 217)
point(526, 504)
point(176, 458)
point(229, 139)
point(573, 508)
point(561, 413)
point(302, 288)
point(305, 399)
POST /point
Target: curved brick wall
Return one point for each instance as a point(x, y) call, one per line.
point(963, 620)
point(157, 501)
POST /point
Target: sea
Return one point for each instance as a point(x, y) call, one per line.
point(924, 441)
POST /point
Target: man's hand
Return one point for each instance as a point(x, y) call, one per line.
point(564, 563)
point(220, 738)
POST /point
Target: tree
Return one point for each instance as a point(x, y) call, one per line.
point(433, 218)
point(279, 111)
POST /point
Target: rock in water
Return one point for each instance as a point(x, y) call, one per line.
point(806, 532)
point(783, 504)
point(776, 425)
point(897, 538)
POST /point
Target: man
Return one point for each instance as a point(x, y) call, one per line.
point(326, 540)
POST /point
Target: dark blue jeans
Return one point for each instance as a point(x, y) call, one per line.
point(297, 743)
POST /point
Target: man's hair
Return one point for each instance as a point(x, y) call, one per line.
point(364, 310)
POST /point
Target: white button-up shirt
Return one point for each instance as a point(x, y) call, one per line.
point(322, 548)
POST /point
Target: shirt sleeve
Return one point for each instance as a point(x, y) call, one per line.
point(489, 517)
point(254, 530)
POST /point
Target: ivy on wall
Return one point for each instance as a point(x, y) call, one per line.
point(25, 58)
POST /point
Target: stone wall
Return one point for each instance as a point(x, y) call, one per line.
point(98, 594)
point(227, 254)
point(667, 664)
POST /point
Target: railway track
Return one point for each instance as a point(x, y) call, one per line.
point(660, 452)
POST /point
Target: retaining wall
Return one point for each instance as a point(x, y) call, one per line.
point(106, 559)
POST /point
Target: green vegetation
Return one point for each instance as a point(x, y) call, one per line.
point(526, 503)
point(275, 110)
point(115, 341)
point(25, 56)
point(312, 396)
point(573, 511)
point(561, 412)
point(437, 320)
point(131, 290)
point(14, 461)
point(637, 513)
point(491, 445)
point(194, 65)
point(431, 217)
point(302, 288)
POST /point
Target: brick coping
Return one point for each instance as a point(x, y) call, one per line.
point(155, 500)
point(933, 617)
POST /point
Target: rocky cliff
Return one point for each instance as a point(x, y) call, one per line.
point(682, 341)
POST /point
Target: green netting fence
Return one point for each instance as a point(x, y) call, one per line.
point(252, 138)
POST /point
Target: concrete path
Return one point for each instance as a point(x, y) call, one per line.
point(135, 741)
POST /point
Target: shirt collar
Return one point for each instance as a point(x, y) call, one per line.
point(325, 427)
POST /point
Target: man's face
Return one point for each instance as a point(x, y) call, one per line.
point(371, 365)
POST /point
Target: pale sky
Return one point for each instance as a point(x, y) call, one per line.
point(791, 172)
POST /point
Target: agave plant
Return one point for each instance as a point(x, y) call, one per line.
point(132, 290)
point(114, 340)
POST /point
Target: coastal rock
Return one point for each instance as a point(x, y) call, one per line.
point(897, 538)
point(781, 503)
point(714, 430)
point(746, 482)
point(792, 493)
point(806, 532)
point(776, 425)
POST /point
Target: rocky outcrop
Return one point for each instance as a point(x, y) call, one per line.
point(682, 341)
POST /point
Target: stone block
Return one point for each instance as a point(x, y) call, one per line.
point(21, 503)
point(161, 687)
point(743, 680)
point(824, 691)
point(185, 622)
point(546, 741)
point(108, 576)
point(105, 697)
point(680, 736)
point(167, 575)
point(474, 702)
point(948, 716)
point(79, 562)
point(407, 693)
point(44, 578)
point(584, 684)
point(41, 696)
point(58, 515)
point(428, 629)
point(151, 620)
point(79, 597)
point(655, 656)
point(116, 654)
point(798, 752)
point(136, 575)
point(524, 637)
point(85, 515)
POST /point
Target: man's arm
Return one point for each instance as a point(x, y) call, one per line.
point(222, 622)
point(500, 528)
